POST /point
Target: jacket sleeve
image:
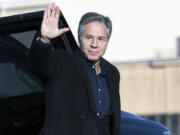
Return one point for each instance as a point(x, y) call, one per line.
point(40, 58)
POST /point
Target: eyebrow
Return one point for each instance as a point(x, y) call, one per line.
point(98, 36)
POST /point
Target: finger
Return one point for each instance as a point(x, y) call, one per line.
point(49, 10)
point(57, 13)
point(53, 9)
point(63, 30)
point(45, 14)
point(44, 20)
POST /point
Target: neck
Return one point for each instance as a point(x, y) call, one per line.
point(97, 67)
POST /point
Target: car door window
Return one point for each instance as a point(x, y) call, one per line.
point(15, 78)
point(14, 81)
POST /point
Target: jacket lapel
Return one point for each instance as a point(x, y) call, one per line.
point(110, 88)
point(78, 62)
point(109, 79)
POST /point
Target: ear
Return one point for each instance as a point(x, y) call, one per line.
point(78, 44)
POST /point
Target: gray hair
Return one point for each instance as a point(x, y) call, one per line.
point(93, 16)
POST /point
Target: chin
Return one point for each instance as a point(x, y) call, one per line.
point(93, 59)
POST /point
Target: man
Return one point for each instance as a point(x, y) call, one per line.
point(82, 88)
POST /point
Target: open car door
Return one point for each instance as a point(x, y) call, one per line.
point(21, 92)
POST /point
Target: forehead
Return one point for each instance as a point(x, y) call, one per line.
point(95, 27)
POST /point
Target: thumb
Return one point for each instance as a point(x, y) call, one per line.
point(63, 30)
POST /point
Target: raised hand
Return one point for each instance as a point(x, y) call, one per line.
point(49, 26)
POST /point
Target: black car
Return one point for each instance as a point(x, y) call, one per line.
point(21, 91)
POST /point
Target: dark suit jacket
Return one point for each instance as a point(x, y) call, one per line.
point(69, 108)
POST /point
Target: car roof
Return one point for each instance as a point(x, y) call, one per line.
point(32, 21)
point(125, 114)
point(129, 118)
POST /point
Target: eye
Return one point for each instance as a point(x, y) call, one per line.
point(88, 37)
point(102, 38)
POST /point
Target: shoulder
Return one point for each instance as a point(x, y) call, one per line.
point(109, 65)
point(58, 52)
point(65, 56)
point(112, 68)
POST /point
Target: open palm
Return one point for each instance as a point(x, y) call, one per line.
point(49, 26)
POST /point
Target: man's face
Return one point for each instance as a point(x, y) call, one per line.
point(94, 40)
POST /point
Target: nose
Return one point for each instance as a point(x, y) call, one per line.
point(94, 43)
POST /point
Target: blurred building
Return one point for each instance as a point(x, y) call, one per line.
point(151, 89)
point(148, 88)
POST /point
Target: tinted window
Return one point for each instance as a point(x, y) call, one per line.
point(25, 37)
point(15, 79)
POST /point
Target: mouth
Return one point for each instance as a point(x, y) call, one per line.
point(92, 52)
